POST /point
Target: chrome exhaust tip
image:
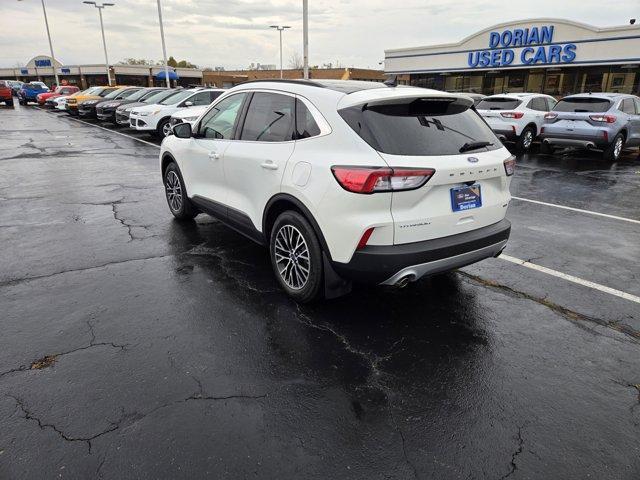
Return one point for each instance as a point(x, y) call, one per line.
point(404, 281)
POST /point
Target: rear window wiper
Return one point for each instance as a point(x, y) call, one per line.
point(473, 146)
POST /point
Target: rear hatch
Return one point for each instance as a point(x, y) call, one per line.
point(469, 188)
point(575, 116)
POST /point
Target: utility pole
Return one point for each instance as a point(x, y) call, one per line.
point(280, 29)
point(164, 47)
point(305, 37)
point(53, 58)
point(104, 41)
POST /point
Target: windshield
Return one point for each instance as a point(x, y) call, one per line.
point(114, 93)
point(160, 96)
point(498, 103)
point(138, 94)
point(172, 100)
point(582, 104)
point(422, 127)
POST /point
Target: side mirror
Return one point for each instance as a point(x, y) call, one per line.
point(188, 103)
point(182, 130)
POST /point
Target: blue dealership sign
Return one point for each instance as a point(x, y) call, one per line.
point(65, 70)
point(45, 62)
point(24, 71)
point(536, 44)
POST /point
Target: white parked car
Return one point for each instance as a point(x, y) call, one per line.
point(516, 117)
point(345, 181)
point(190, 115)
point(155, 118)
point(59, 103)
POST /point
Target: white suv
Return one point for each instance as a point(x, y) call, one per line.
point(344, 180)
point(516, 117)
point(155, 118)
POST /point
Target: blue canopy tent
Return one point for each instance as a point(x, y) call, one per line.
point(161, 76)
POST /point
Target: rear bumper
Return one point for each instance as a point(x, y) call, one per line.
point(509, 135)
point(387, 264)
point(577, 141)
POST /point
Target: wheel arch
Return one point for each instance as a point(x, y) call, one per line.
point(534, 127)
point(624, 134)
point(282, 202)
point(167, 158)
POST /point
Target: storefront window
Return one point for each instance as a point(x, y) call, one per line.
point(559, 82)
point(622, 80)
point(535, 81)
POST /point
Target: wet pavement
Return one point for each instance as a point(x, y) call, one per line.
point(136, 347)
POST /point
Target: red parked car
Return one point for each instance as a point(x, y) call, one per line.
point(6, 95)
point(61, 91)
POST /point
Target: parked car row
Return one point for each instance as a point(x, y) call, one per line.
point(139, 108)
point(607, 122)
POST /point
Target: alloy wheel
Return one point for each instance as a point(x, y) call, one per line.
point(292, 257)
point(173, 190)
point(617, 148)
point(166, 129)
point(528, 139)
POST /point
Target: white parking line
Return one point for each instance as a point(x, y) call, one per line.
point(571, 278)
point(113, 131)
point(589, 212)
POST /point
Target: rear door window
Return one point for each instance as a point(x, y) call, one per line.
point(582, 104)
point(421, 127)
point(270, 118)
point(498, 103)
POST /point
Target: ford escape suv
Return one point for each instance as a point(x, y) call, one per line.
point(344, 180)
point(608, 122)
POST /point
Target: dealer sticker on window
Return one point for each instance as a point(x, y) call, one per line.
point(466, 197)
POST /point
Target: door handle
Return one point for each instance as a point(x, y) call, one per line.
point(214, 155)
point(269, 165)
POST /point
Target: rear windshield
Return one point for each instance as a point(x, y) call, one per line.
point(498, 103)
point(585, 104)
point(422, 127)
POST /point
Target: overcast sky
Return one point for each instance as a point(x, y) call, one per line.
point(235, 33)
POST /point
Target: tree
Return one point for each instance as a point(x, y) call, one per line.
point(295, 61)
point(172, 62)
point(136, 61)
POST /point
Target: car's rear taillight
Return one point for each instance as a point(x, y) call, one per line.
point(603, 118)
point(510, 166)
point(551, 116)
point(380, 179)
point(512, 114)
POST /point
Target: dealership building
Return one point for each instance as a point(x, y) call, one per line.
point(553, 56)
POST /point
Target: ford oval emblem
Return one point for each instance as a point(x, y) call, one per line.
point(472, 160)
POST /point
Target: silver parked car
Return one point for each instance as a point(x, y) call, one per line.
point(600, 121)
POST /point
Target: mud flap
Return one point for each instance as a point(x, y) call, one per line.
point(334, 285)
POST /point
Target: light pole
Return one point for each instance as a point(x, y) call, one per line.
point(104, 42)
point(305, 37)
point(53, 58)
point(164, 48)
point(280, 29)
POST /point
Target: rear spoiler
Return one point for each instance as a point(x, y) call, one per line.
point(387, 97)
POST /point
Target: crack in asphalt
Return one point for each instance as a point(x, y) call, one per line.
point(567, 313)
point(224, 261)
point(123, 221)
point(49, 360)
point(18, 281)
point(375, 374)
point(518, 451)
point(28, 415)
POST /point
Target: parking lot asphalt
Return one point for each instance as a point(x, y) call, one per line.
point(136, 347)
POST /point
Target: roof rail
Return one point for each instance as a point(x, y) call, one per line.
point(301, 81)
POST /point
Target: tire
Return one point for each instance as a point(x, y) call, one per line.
point(294, 247)
point(546, 149)
point(164, 128)
point(613, 151)
point(9, 103)
point(176, 194)
point(525, 140)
